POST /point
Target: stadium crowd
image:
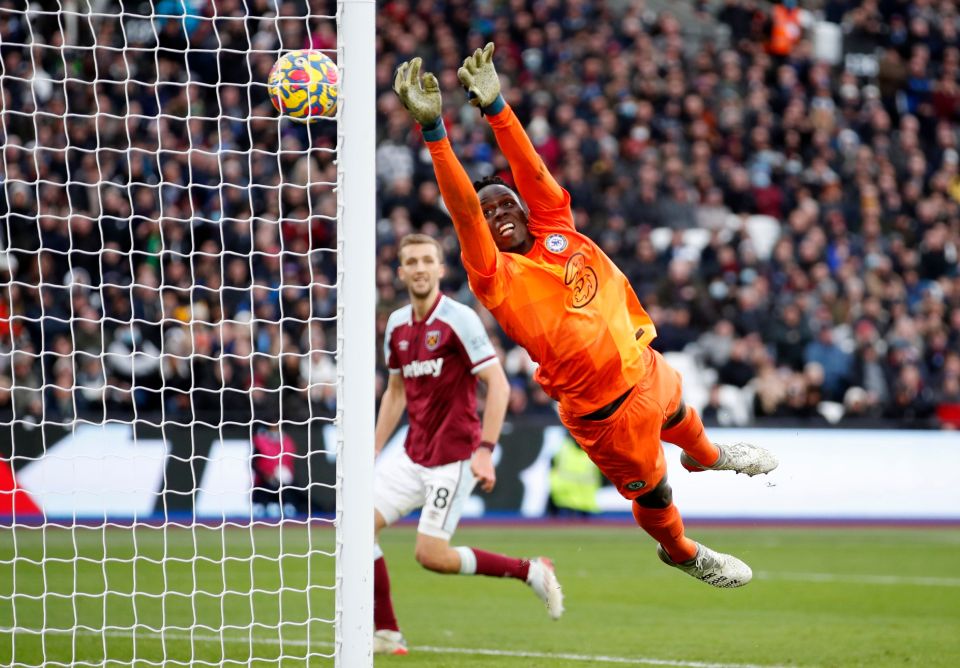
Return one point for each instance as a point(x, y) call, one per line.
point(168, 244)
point(791, 226)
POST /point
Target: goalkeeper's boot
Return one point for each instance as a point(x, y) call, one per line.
point(543, 580)
point(740, 457)
point(715, 568)
point(386, 641)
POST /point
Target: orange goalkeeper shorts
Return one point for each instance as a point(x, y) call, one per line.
point(626, 445)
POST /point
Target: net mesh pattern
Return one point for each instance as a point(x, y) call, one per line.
point(168, 334)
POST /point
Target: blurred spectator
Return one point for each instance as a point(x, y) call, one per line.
point(790, 336)
point(717, 343)
point(674, 332)
point(912, 399)
point(574, 482)
point(858, 404)
point(832, 360)
point(785, 28)
point(275, 492)
point(518, 401)
point(737, 370)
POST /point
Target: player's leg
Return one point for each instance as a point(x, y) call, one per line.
point(681, 424)
point(384, 618)
point(684, 428)
point(626, 447)
point(449, 487)
point(656, 513)
point(398, 490)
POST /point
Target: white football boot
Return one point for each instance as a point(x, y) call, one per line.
point(740, 457)
point(543, 580)
point(715, 568)
point(386, 641)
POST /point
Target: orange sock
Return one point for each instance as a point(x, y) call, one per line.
point(666, 527)
point(691, 437)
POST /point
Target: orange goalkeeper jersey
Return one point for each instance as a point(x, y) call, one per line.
point(564, 301)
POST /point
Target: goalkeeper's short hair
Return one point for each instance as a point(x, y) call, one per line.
point(492, 180)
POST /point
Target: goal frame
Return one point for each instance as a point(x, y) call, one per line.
point(356, 185)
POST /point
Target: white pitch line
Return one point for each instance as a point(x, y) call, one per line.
point(297, 642)
point(561, 656)
point(862, 579)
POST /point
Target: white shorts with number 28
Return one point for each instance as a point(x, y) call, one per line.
point(401, 486)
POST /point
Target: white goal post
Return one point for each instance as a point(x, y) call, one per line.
point(356, 150)
point(187, 337)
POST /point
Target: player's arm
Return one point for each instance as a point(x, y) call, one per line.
point(423, 103)
point(494, 412)
point(537, 186)
point(476, 242)
point(482, 357)
point(392, 405)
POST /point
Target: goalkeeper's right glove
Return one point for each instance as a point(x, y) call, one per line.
point(479, 77)
point(422, 101)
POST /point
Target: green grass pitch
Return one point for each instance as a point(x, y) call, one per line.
point(821, 597)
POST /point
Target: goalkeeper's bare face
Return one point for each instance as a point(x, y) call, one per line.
point(506, 216)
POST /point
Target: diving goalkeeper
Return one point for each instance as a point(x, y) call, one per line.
point(559, 296)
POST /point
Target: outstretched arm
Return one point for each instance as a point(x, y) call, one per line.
point(537, 186)
point(476, 243)
point(423, 103)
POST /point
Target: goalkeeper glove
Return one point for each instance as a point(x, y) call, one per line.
point(421, 100)
point(479, 78)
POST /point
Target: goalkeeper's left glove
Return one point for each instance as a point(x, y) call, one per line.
point(422, 101)
point(479, 76)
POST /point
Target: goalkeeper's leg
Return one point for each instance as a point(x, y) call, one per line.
point(699, 454)
point(684, 428)
point(659, 517)
point(626, 448)
point(682, 425)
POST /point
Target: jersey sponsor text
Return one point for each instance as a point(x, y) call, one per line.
point(418, 368)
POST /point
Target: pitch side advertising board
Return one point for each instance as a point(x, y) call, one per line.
point(120, 473)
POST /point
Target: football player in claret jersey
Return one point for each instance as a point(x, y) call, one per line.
point(556, 293)
point(436, 349)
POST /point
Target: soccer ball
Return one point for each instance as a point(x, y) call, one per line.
point(303, 85)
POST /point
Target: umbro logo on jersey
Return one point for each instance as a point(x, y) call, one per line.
point(556, 243)
point(403, 345)
point(419, 368)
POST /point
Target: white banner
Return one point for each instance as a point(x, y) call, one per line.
point(107, 471)
point(825, 474)
point(98, 471)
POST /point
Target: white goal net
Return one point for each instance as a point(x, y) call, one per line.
point(186, 337)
